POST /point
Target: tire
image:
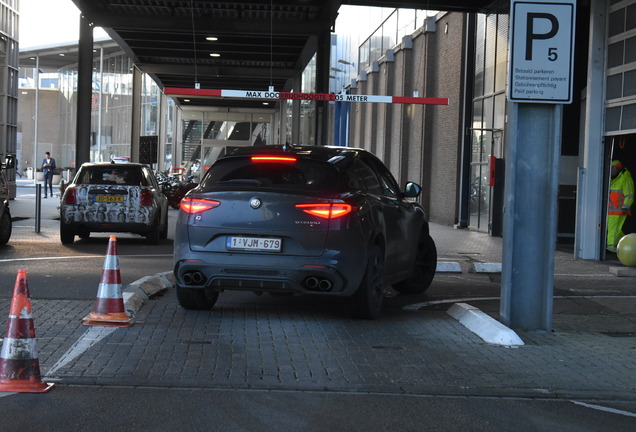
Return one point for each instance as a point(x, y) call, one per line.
point(84, 234)
point(67, 236)
point(5, 228)
point(196, 298)
point(423, 269)
point(154, 236)
point(164, 232)
point(367, 301)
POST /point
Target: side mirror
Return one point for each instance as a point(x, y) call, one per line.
point(412, 190)
point(9, 162)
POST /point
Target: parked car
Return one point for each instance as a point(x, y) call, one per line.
point(112, 197)
point(6, 225)
point(329, 221)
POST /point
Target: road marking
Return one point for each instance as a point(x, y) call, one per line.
point(606, 409)
point(87, 340)
point(81, 256)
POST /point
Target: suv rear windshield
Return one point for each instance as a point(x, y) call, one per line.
point(111, 175)
point(302, 174)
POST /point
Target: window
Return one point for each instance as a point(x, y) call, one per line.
point(365, 179)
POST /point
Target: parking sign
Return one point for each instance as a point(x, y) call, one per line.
point(541, 58)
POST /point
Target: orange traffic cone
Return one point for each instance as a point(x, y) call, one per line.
point(19, 364)
point(109, 305)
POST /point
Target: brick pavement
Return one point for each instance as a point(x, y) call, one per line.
point(307, 345)
point(302, 343)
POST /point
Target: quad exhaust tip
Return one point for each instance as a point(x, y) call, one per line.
point(317, 283)
point(193, 278)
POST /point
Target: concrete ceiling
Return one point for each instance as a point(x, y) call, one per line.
point(259, 42)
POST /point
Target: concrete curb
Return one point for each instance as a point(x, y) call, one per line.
point(623, 271)
point(139, 292)
point(484, 326)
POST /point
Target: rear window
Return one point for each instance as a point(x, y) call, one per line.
point(301, 174)
point(111, 175)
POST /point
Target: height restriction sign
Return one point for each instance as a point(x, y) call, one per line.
point(541, 56)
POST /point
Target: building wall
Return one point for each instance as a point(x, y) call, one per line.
point(443, 124)
point(419, 143)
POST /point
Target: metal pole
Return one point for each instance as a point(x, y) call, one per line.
point(98, 157)
point(35, 118)
point(530, 215)
point(38, 206)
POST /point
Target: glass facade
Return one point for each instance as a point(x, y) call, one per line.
point(489, 108)
point(206, 135)
point(620, 93)
point(111, 109)
point(398, 23)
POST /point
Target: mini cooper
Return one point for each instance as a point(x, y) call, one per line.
point(111, 197)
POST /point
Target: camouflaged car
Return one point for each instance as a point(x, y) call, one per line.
point(111, 197)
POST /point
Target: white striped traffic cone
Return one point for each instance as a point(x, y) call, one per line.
point(109, 306)
point(19, 363)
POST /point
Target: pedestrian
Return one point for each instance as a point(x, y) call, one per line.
point(621, 198)
point(48, 166)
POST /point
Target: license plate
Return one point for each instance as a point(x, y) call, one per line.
point(254, 243)
point(109, 198)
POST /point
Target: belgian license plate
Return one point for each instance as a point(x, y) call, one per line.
point(254, 243)
point(109, 198)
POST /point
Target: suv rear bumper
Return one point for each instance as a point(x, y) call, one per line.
point(294, 275)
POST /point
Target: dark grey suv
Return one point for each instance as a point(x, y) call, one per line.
point(328, 221)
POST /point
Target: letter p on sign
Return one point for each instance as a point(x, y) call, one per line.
point(541, 51)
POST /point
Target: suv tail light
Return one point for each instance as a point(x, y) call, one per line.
point(194, 205)
point(288, 159)
point(325, 210)
point(71, 196)
point(145, 198)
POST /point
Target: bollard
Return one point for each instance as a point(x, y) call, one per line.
point(38, 206)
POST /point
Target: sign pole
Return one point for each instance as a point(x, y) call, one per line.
point(541, 67)
point(530, 215)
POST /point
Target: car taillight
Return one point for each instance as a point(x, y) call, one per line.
point(288, 159)
point(145, 199)
point(197, 205)
point(325, 211)
point(71, 196)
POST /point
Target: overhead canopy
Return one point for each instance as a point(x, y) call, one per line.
point(258, 42)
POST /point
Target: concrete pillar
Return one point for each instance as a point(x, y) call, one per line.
point(84, 93)
point(590, 199)
point(135, 121)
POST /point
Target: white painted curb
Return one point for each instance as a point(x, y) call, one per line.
point(448, 267)
point(484, 326)
point(487, 267)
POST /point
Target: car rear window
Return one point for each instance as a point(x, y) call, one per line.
point(111, 175)
point(301, 174)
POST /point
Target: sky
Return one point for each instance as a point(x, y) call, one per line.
point(48, 22)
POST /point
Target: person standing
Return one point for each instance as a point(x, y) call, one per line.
point(621, 198)
point(48, 166)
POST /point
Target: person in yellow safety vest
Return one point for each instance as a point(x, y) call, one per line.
point(621, 198)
